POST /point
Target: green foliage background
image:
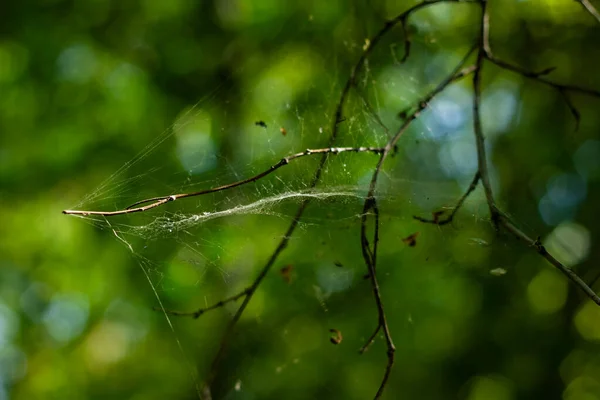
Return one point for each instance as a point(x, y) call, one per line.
point(85, 86)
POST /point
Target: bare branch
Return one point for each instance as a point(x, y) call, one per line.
point(199, 312)
point(437, 221)
point(402, 19)
point(370, 258)
point(370, 208)
point(541, 250)
point(477, 127)
point(370, 340)
point(370, 252)
point(159, 201)
point(372, 112)
point(338, 117)
point(252, 289)
point(498, 217)
point(539, 76)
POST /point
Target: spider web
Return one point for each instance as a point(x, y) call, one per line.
point(196, 251)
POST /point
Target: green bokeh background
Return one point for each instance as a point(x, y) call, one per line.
point(104, 103)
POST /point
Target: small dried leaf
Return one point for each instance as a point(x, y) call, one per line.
point(337, 336)
point(283, 131)
point(411, 240)
point(286, 273)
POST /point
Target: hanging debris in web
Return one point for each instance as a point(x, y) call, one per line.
point(411, 240)
point(497, 271)
point(336, 338)
point(286, 273)
point(261, 124)
point(283, 131)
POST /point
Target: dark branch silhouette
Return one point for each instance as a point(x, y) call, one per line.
point(443, 221)
point(499, 218)
point(370, 211)
point(199, 312)
point(538, 76)
point(370, 251)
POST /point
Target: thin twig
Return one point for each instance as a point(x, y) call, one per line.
point(407, 42)
point(199, 312)
point(250, 292)
point(371, 339)
point(284, 241)
point(159, 201)
point(372, 112)
point(334, 134)
point(498, 217)
point(447, 220)
point(538, 76)
point(370, 258)
point(477, 127)
point(590, 8)
point(370, 207)
point(370, 252)
point(541, 250)
point(403, 18)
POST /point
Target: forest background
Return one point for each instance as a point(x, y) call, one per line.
point(106, 103)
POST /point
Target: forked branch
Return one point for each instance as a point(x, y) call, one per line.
point(369, 251)
point(539, 75)
point(499, 218)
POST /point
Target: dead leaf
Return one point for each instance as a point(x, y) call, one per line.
point(411, 240)
point(337, 336)
point(286, 273)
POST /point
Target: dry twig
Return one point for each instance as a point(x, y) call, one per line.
point(370, 251)
point(159, 201)
point(499, 218)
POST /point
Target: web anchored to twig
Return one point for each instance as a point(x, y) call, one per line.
point(370, 212)
point(159, 201)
